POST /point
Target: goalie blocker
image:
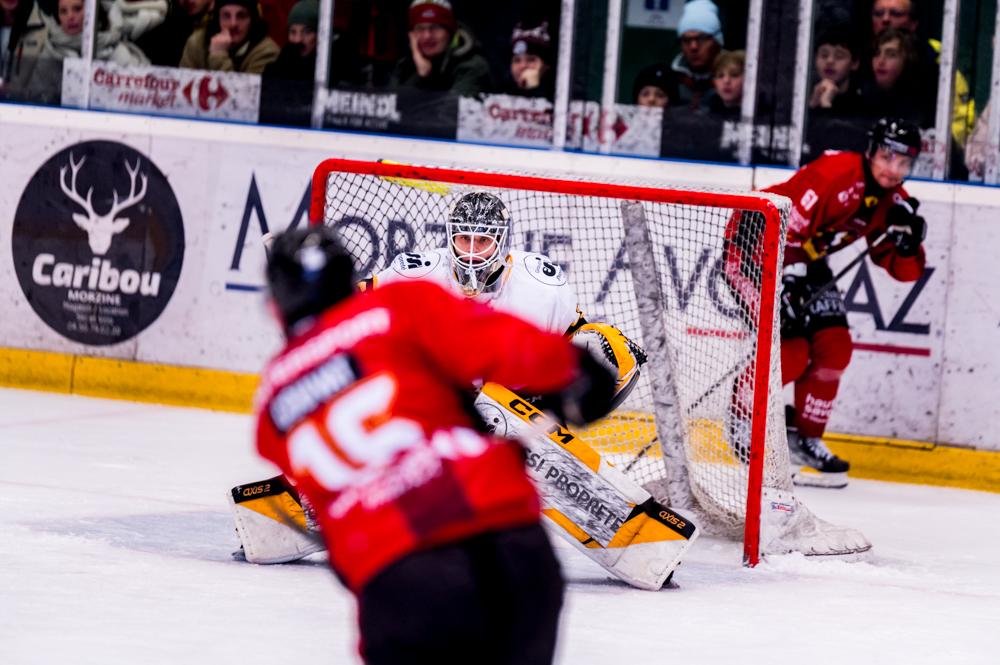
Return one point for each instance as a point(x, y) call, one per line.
point(600, 511)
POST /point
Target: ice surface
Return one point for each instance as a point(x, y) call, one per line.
point(115, 543)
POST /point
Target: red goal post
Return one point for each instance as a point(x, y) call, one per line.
point(714, 349)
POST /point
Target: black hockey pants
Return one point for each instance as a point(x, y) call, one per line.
point(491, 599)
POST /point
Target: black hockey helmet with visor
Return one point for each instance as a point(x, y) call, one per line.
point(308, 270)
point(479, 230)
point(896, 135)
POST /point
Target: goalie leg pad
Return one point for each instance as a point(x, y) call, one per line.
point(587, 501)
point(272, 523)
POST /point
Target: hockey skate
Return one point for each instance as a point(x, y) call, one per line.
point(813, 464)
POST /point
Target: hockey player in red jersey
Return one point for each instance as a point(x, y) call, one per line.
point(430, 521)
point(838, 199)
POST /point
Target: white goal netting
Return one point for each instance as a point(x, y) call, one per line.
point(709, 324)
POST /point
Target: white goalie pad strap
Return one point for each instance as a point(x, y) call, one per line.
point(271, 523)
point(647, 554)
point(605, 514)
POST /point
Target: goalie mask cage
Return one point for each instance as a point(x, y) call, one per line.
point(703, 430)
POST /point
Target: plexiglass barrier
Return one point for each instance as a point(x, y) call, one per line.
point(763, 82)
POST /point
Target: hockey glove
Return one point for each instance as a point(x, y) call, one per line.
point(794, 296)
point(588, 397)
point(905, 228)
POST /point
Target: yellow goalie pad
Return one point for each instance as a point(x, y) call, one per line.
point(604, 514)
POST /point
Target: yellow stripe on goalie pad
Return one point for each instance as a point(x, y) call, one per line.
point(280, 508)
point(571, 528)
point(530, 415)
point(643, 529)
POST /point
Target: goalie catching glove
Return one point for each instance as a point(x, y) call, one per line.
point(589, 397)
point(905, 228)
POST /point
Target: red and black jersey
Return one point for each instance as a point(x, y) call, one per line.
point(832, 207)
point(367, 411)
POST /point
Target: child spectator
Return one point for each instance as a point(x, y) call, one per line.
point(443, 57)
point(895, 88)
point(837, 60)
point(235, 40)
point(655, 85)
point(164, 43)
point(531, 73)
point(70, 17)
point(700, 34)
point(726, 97)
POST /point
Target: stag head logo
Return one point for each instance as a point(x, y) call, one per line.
point(101, 228)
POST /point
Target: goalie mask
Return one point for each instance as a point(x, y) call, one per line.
point(479, 230)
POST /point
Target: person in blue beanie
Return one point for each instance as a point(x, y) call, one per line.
point(700, 36)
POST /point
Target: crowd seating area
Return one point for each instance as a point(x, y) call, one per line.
point(704, 80)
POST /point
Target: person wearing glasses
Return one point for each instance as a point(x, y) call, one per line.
point(700, 35)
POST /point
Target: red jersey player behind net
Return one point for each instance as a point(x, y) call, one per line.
point(838, 199)
point(432, 522)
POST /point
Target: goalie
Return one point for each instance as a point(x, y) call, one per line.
point(604, 514)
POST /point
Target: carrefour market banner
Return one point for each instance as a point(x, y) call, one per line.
point(153, 90)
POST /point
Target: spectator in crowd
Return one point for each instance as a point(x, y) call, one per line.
point(286, 96)
point(66, 36)
point(700, 34)
point(726, 97)
point(235, 40)
point(297, 59)
point(443, 57)
point(895, 88)
point(837, 61)
point(655, 85)
point(70, 17)
point(24, 75)
point(531, 72)
point(138, 16)
point(164, 44)
point(902, 15)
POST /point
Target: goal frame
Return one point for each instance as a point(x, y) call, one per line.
point(771, 243)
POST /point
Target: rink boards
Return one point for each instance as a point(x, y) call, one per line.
point(192, 328)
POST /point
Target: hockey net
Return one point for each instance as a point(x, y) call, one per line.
point(703, 430)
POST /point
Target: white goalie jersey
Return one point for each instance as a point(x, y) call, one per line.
point(532, 286)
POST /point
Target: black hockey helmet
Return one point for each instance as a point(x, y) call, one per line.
point(308, 270)
point(895, 134)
